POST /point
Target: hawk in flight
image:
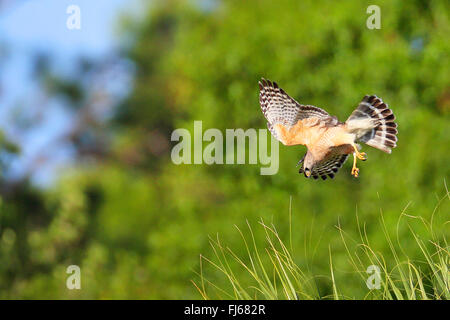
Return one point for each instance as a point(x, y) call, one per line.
point(328, 140)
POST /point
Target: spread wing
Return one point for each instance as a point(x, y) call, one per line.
point(327, 167)
point(280, 109)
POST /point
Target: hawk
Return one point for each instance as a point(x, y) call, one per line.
point(328, 141)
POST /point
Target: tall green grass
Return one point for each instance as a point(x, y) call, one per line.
point(274, 274)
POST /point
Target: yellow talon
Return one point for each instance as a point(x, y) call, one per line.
point(355, 170)
point(361, 155)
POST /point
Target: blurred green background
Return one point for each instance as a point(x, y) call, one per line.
point(136, 223)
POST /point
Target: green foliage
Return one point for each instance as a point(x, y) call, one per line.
point(136, 223)
point(279, 277)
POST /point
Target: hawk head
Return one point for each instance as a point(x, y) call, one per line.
point(307, 164)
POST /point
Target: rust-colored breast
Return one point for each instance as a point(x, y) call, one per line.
point(321, 140)
point(303, 132)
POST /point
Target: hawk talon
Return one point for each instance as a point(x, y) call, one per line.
point(362, 156)
point(355, 172)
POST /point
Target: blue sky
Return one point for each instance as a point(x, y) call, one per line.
point(27, 27)
point(42, 24)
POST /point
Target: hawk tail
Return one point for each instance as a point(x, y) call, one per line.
point(373, 123)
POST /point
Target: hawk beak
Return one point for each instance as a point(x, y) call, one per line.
point(308, 173)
